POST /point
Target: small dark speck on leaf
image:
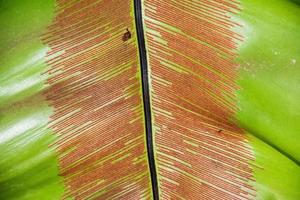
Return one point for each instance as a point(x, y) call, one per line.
point(126, 35)
point(220, 130)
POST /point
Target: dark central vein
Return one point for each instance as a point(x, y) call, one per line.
point(146, 94)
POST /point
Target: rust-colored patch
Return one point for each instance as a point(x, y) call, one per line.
point(201, 153)
point(95, 93)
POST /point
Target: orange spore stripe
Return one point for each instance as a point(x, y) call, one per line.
point(95, 93)
point(201, 153)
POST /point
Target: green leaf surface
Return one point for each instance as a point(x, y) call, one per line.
point(28, 166)
point(269, 77)
point(269, 94)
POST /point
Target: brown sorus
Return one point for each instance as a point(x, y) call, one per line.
point(126, 35)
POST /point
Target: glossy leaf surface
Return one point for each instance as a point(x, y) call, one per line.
point(223, 80)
